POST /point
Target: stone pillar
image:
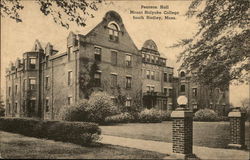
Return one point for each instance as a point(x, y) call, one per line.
point(182, 132)
point(237, 129)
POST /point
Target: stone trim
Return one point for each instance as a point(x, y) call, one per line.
point(234, 114)
point(181, 114)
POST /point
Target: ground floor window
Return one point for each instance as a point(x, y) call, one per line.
point(128, 102)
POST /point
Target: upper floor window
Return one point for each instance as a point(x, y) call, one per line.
point(183, 74)
point(170, 78)
point(113, 32)
point(148, 88)
point(9, 91)
point(128, 60)
point(128, 82)
point(24, 84)
point(70, 77)
point(148, 58)
point(148, 74)
point(70, 51)
point(32, 84)
point(194, 91)
point(152, 59)
point(153, 75)
point(98, 54)
point(114, 57)
point(152, 88)
point(170, 92)
point(97, 78)
point(143, 57)
point(16, 89)
point(47, 82)
point(156, 60)
point(183, 88)
point(32, 63)
point(165, 77)
point(164, 62)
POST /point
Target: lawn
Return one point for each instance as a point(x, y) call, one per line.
point(20, 147)
point(209, 134)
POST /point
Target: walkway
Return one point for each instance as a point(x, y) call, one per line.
point(166, 148)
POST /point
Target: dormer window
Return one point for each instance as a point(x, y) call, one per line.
point(113, 32)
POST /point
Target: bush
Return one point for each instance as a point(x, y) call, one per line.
point(166, 115)
point(100, 106)
point(75, 132)
point(150, 116)
point(120, 118)
point(206, 115)
point(75, 112)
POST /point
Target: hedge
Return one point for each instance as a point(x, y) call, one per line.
point(82, 133)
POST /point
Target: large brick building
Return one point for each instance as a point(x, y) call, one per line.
point(105, 59)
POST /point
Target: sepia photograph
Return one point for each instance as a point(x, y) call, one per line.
point(125, 79)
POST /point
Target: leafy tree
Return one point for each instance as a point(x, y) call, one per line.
point(2, 108)
point(219, 51)
point(62, 11)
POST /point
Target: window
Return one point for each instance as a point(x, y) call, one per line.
point(165, 77)
point(70, 51)
point(156, 60)
point(148, 57)
point(183, 74)
point(165, 91)
point(31, 107)
point(15, 109)
point(170, 78)
point(182, 88)
point(32, 84)
point(152, 89)
point(113, 80)
point(113, 57)
point(69, 77)
point(9, 91)
point(97, 79)
point(152, 59)
point(16, 89)
point(153, 75)
point(24, 106)
point(69, 100)
point(148, 88)
point(194, 91)
point(157, 76)
point(47, 82)
point(32, 63)
point(128, 102)
point(113, 32)
point(163, 62)
point(46, 105)
point(170, 92)
point(148, 74)
point(24, 85)
point(98, 54)
point(143, 57)
point(128, 82)
point(128, 60)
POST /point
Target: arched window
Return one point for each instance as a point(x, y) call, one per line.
point(183, 74)
point(113, 32)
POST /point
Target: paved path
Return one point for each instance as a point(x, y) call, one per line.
point(166, 148)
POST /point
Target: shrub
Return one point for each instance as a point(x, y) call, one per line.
point(75, 112)
point(75, 132)
point(120, 118)
point(100, 106)
point(166, 115)
point(150, 116)
point(206, 115)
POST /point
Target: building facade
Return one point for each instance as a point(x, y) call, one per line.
point(105, 59)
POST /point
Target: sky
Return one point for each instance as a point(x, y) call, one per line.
point(17, 38)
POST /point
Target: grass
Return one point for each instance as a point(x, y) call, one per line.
point(209, 134)
point(20, 147)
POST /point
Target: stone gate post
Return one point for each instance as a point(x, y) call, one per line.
point(237, 129)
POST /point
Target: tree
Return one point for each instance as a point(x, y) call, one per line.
point(62, 11)
point(219, 51)
point(2, 108)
